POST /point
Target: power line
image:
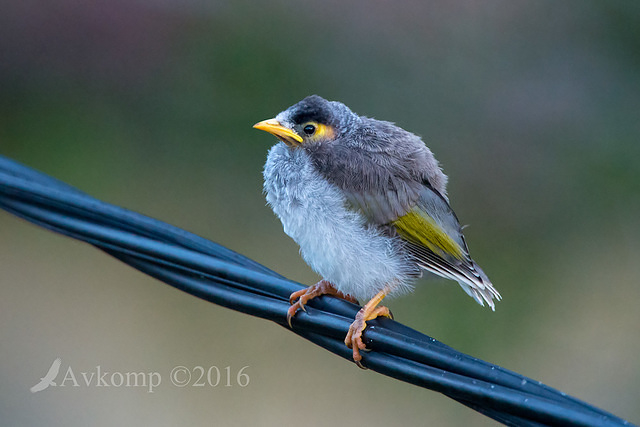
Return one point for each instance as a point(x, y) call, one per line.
point(219, 275)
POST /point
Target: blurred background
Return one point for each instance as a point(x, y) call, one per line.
point(532, 107)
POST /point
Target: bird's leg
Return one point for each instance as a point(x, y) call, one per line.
point(323, 287)
point(370, 311)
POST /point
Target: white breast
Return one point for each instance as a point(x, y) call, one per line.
point(334, 240)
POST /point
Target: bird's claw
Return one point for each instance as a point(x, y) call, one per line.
point(293, 310)
point(353, 339)
point(300, 298)
point(297, 294)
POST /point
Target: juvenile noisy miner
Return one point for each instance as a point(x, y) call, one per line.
point(367, 203)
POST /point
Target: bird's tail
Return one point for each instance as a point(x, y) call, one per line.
point(481, 289)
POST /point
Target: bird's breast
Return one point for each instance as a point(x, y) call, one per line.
point(296, 192)
point(335, 240)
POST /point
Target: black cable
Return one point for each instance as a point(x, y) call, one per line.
point(224, 277)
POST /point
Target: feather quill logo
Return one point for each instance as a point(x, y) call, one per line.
point(47, 380)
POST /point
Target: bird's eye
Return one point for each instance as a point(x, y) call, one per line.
point(309, 129)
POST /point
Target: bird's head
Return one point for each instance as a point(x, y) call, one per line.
point(310, 121)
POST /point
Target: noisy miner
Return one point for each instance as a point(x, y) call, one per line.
point(366, 201)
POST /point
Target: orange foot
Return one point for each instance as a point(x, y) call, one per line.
point(323, 287)
point(369, 312)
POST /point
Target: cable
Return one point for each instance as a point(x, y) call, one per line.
point(221, 276)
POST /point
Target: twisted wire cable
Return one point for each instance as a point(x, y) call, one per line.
point(219, 275)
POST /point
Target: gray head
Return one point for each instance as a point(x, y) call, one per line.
point(336, 139)
point(312, 120)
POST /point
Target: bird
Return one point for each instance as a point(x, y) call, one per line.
point(366, 201)
point(47, 380)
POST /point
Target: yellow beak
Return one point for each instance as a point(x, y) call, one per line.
point(284, 134)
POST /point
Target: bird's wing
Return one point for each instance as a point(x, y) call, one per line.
point(382, 206)
point(431, 224)
point(53, 370)
point(434, 238)
point(426, 223)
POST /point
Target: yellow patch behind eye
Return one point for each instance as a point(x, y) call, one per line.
point(321, 132)
point(324, 132)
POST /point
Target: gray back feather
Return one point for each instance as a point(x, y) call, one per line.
point(381, 168)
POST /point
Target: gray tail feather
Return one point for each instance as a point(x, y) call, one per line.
point(481, 290)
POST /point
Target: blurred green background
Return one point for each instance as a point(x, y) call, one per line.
point(532, 107)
